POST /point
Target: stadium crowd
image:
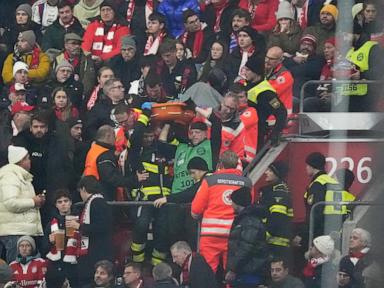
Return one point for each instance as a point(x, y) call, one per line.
point(163, 104)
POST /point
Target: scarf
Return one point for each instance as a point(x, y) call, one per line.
point(233, 42)
point(185, 270)
point(356, 256)
point(35, 59)
point(93, 98)
point(70, 248)
point(302, 16)
point(197, 43)
point(103, 43)
point(153, 44)
point(219, 9)
point(131, 9)
point(73, 61)
point(309, 269)
point(244, 58)
point(85, 218)
point(66, 26)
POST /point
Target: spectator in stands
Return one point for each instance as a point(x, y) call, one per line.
point(279, 77)
point(156, 33)
point(247, 245)
point(66, 23)
point(217, 13)
point(20, 205)
point(217, 58)
point(23, 22)
point(360, 254)
point(181, 52)
point(126, 65)
point(95, 229)
point(325, 29)
point(103, 75)
point(372, 25)
point(45, 12)
point(280, 275)
point(239, 19)
point(196, 37)
point(287, 32)
point(267, 103)
point(104, 274)
point(63, 78)
point(133, 276)
point(28, 52)
point(83, 65)
point(62, 105)
point(162, 274)
point(21, 117)
point(86, 10)
point(344, 276)
point(28, 267)
point(102, 38)
point(173, 11)
point(177, 76)
point(305, 65)
point(251, 45)
point(196, 273)
point(319, 260)
point(275, 197)
point(211, 204)
point(263, 13)
point(306, 12)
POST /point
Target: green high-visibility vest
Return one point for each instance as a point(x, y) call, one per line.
point(184, 153)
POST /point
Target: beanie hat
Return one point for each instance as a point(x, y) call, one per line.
point(285, 11)
point(309, 38)
point(19, 65)
point(256, 65)
point(16, 154)
point(242, 197)
point(346, 266)
point(28, 36)
point(356, 9)
point(26, 8)
point(331, 40)
point(108, 3)
point(324, 244)
point(128, 41)
point(198, 164)
point(316, 160)
point(199, 125)
point(28, 239)
point(5, 272)
point(331, 9)
point(279, 168)
point(63, 64)
point(345, 175)
point(72, 121)
point(250, 31)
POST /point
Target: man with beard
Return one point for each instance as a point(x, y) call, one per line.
point(104, 275)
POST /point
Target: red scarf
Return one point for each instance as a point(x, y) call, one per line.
point(93, 98)
point(251, 9)
point(197, 44)
point(250, 51)
point(70, 248)
point(131, 9)
point(185, 270)
point(219, 8)
point(103, 43)
point(357, 255)
point(35, 58)
point(153, 44)
point(74, 61)
point(302, 18)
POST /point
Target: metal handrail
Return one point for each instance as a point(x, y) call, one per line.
point(318, 82)
point(257, 158)
point(323, 203)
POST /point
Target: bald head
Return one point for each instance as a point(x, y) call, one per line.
point(106, 135)
point(273, 58)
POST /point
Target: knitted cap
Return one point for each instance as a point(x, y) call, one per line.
point(72, 36)
point(63, 64)
point(16, 154)
point(285, 11)
point(26, 8)
point(316, 160)
point(73, 121)
point(256, 65)
point(108, 3)
point(199, 125)
point(128, 41)
point(356, 9)
point(324, 244)
point(309, 38)
point(242, 197)
point(250, 31)
point(331, 40)
point(198, 164)
point(19, 66)
point(331, 9)
point(279, 168)
point(28, 239)
point(346, 266)
point(28, 36)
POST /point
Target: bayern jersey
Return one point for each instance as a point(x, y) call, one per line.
point(29, 275)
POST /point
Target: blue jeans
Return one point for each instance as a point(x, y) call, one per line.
point(9, 243)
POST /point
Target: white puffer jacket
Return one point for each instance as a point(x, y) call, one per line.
point(18, 215)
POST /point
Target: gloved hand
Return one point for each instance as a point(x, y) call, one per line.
point(147, 105)
point(275, 139)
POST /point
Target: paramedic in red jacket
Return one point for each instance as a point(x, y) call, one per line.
point(212, 204)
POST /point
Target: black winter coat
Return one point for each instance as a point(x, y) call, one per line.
point(168, 283)
point(201, 274)
point(126, 71)
point(247, 245)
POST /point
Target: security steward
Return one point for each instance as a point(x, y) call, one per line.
point(154, 179)
point(276, 198)
point(262, 96)
point(102, 163)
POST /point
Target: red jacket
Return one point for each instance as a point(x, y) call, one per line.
point(89, 39)
point(232, 138)
point(29, 275)
point(264, 18)
point(213, 201)
point(250, 119)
